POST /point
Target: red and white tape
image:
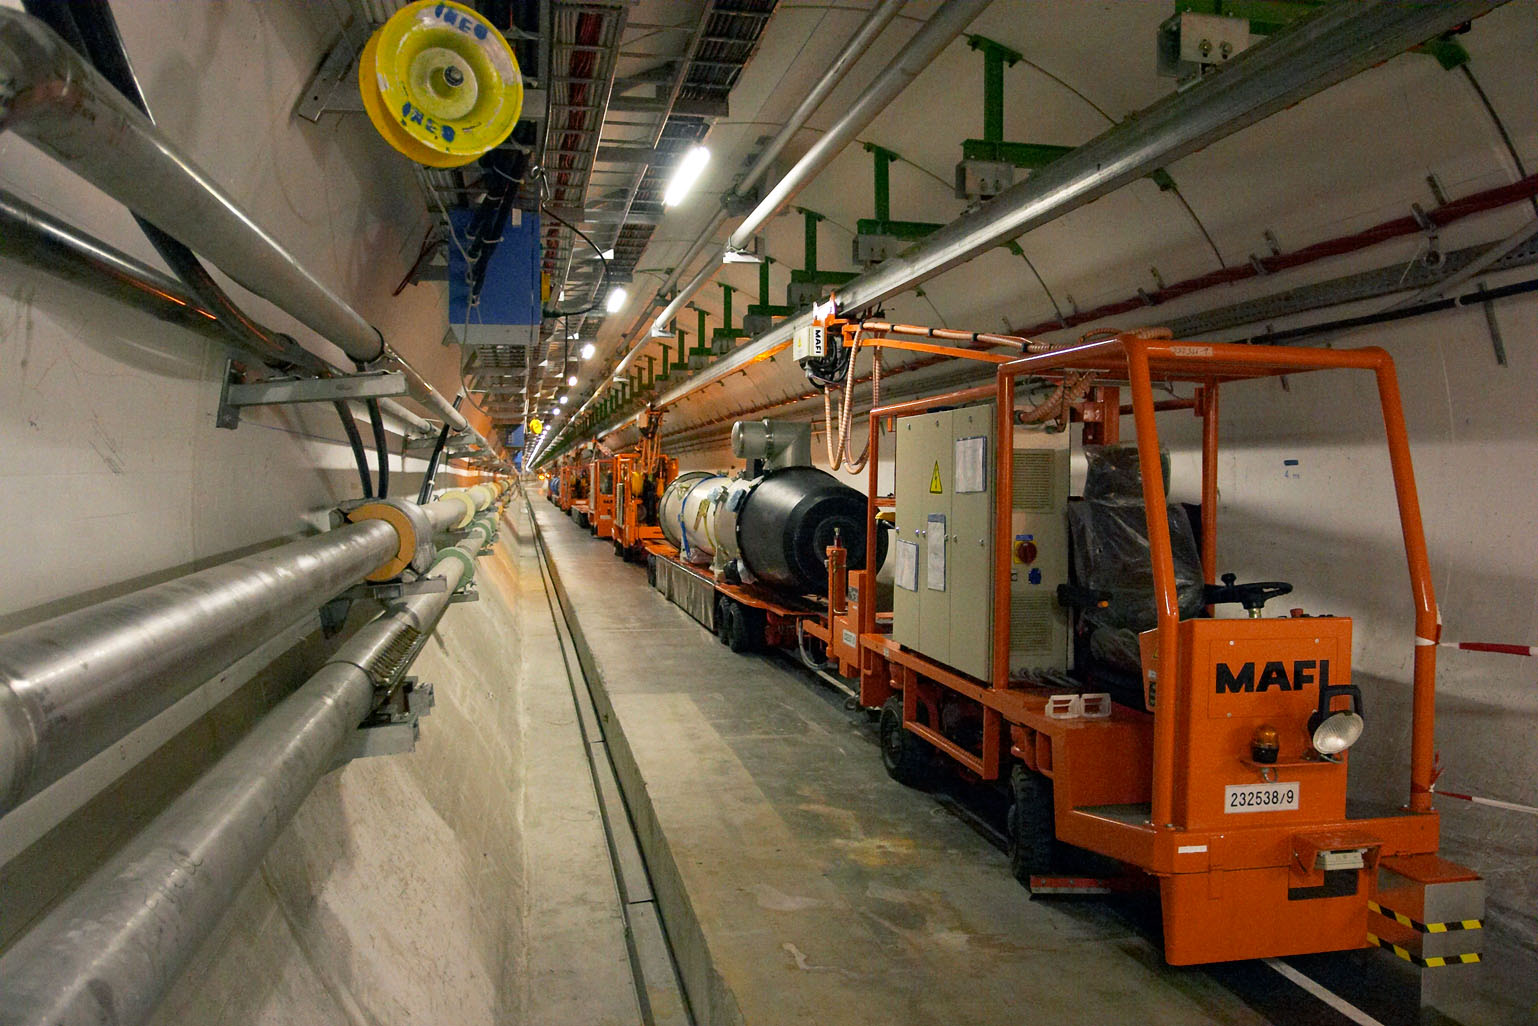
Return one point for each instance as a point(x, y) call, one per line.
point(1490, 646)
point(1492, 802)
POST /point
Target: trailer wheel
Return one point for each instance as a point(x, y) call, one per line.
point(744, 630)
point(723, 617)
point(1032, 836)
point(902, 753)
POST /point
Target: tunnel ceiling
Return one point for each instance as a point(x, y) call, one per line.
point(1408, 132)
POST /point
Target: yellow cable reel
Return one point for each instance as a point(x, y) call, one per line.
point(440, 83)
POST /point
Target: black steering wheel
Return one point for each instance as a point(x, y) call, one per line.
point(1251, 596)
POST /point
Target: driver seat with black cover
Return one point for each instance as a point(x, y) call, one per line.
point(1112, 573)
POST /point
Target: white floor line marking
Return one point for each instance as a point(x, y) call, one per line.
point(1324, 994)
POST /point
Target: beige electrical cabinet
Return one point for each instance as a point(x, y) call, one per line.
point(943, 545)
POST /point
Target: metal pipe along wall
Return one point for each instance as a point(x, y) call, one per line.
point(58, 102)
point(108, 952)
point(75, 684)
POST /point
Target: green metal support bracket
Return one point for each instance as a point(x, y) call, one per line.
point(651, 371)
point(882, 223)
point(667, 368)
point(809, 274)
point(763, 308)
point(726, 334)
point(992, 146)
point(700, 348)
point(681, 361)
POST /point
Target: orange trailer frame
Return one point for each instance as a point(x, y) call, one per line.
point(1139, 786)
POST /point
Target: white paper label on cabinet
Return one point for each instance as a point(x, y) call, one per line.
point(906, 574)
point(934, 565)
point(971, 464)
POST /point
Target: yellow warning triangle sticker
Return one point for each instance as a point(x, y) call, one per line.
point(934, 480)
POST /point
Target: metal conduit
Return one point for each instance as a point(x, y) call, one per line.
point(109, 951)
point(53, 98)
point(73, 685)
point(948, 23)
point(67, 109)
point(38, 239)
point(1339, 41)
point(875, 22)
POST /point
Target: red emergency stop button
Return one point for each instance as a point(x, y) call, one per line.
point(1025, 552)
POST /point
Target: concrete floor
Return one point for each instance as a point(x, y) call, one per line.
point(799, 884)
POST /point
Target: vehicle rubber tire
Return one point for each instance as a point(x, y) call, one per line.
point(1033, 848)
point(905, 757)
point(723, 619)
point(743, 633)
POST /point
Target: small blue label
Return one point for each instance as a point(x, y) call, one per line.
point(1034, 576)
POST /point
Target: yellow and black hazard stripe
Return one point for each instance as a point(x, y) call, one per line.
point(1434, 962)
point(1419, 927)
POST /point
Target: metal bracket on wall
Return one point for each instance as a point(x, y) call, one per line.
point(393, 728)
point(282, 391)
point(1496, 342)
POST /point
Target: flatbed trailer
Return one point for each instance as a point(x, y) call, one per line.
point(745, 617)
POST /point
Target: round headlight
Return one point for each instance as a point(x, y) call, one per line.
point(1337, 732)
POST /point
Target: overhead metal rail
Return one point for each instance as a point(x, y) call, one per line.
point(1339, 41)
point(860, 41)
point(711, 51)
point(52, 97)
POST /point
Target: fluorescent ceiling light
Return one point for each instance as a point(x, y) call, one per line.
point(616, 301)
point(607, 254)
point(572, 381)
point(562, 400)
point(685, 175)
point(588, 350)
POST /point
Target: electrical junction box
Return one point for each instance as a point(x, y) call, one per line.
point(943, 547)
point(983, 179)
point(870, 248)
point(509, 310)
point(1189, 44)
point(806, 293)
point(809, 343)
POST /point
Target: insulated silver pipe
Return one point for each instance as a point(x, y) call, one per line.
point(860, 41)
point(1339, 41)
point(62, 105)
point(948, 22)
point(109, 952)
point(73, 685)
point(38, 239)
